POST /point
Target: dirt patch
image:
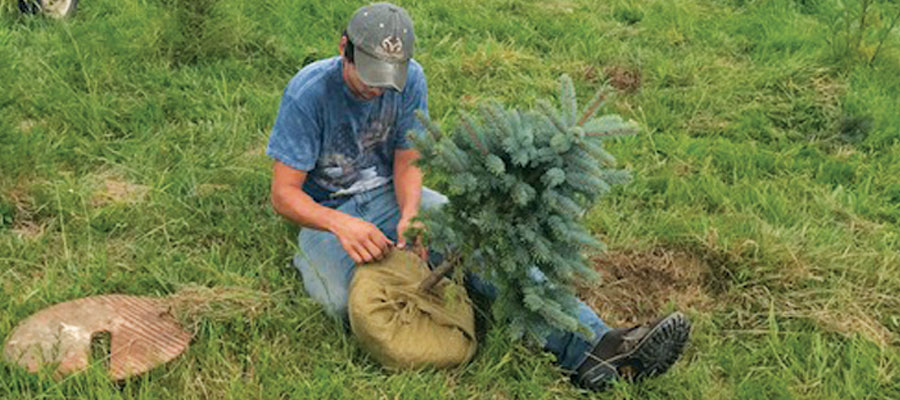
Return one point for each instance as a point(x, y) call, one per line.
point(636, 286)
point(115, 190)
point(25, 224)
point(624, 79)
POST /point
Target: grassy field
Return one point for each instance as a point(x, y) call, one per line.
point(765, 205)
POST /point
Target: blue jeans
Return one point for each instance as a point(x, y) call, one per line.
point(327, 270)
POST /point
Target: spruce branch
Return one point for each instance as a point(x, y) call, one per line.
point(548, 111)
point(430, 126)
point(493, 114)
point(478, 143)
point(568, 100)
point(592, 107)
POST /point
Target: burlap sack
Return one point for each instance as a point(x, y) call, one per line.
point(402, 327)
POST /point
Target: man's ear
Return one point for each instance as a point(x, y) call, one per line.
point(342, 45)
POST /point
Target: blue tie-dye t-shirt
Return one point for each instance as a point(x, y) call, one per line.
point(345, 145)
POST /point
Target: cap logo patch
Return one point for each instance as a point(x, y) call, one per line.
point(392, 45)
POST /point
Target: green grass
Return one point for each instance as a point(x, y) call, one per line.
point(762, 155)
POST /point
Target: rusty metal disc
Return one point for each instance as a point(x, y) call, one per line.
point(143, 335)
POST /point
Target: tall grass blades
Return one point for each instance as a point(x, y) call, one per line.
point(765, 202)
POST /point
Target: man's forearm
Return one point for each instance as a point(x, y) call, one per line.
point(294, 204)
point(362, 240)
point(407, 183)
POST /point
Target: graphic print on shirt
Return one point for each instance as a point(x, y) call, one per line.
point(353, 163)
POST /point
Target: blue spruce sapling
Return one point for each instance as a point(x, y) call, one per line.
point(519, 184)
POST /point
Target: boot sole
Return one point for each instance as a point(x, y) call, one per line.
point(657, 351)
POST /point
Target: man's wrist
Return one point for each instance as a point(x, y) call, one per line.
point(408, 215)
point(335, 221)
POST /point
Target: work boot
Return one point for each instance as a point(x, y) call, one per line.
point(635, 353)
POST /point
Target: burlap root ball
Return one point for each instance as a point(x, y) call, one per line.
point(403, 327)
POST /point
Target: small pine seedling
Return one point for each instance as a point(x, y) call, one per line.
point(519, 184)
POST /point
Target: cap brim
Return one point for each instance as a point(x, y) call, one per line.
point(379, 73)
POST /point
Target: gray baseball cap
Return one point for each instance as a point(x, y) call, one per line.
point(383, 40)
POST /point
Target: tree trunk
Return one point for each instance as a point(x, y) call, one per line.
point(436, 275)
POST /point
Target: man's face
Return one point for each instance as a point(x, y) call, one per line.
point(357, 86)
point(354, 82)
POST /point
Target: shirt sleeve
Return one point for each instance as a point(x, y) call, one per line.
point(296, 137)
point(417, 99)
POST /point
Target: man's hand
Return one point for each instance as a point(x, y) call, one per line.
point(362, 240)
point(418, 248)
point(408, 189)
